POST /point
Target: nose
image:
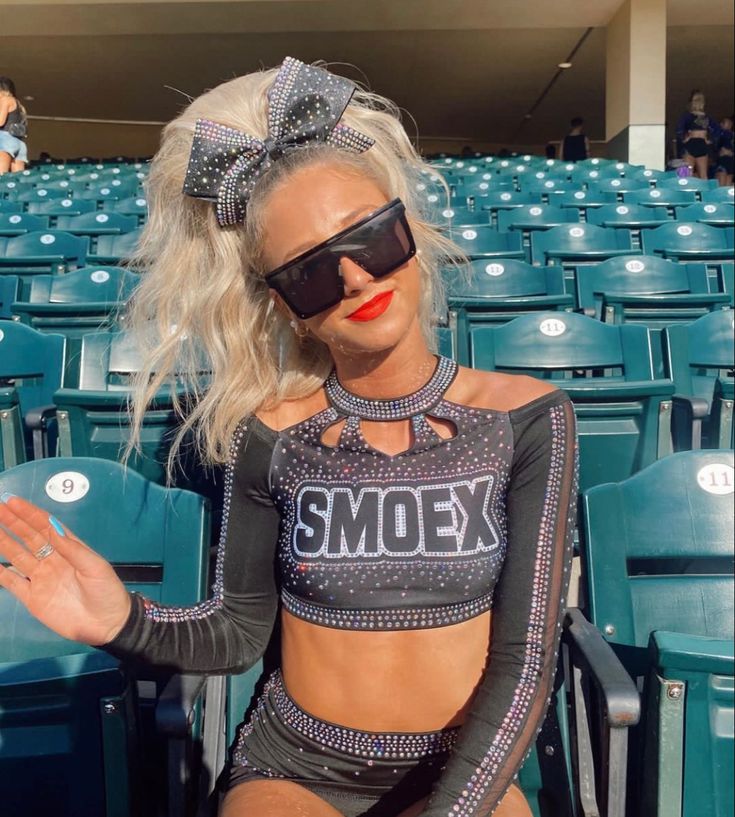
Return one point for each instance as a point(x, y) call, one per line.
point(354, 277)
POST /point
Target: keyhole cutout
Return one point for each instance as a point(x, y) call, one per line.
point(391, 437)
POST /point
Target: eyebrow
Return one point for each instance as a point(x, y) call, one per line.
point(363, 210)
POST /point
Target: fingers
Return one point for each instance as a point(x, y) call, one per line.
point(15, 584)
point(19, 556)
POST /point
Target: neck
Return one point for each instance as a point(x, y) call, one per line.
point(394, 372)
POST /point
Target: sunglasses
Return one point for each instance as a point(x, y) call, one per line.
point(379, 243)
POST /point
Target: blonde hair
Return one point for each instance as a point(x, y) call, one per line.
point(203, 313)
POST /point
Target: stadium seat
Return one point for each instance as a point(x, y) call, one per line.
point(659, 555)
point(114, 249)
point(498, 291)
point(41, 252)
point(630, 216)
point(726, 279)
point(31, 369)
point(109, 190)
point(535, 217)
point(93, 419)
point(12, 224)
point(686, 183)
point(618, 186)
point(623, 412)
point(86, 300)
point(583, 199)
point(60, 207)
point(485, 242)
point(699, 357)
point(40, 194)
point(682, 241)
point(647, 175)
point(10, 206)
point(716, 215)
point(96, 224)
point(456, 217)
point(76, 730)
point(661, 197)
point(9, 290)
point(719, 194)
point(133, 206)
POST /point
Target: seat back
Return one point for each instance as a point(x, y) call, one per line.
point(536, 217)
point(678, 239)
point(94, 223)
point(560, 244)
point(9, 289)
point(482, 241)
point(19, 223)
point(712, 213)
point(623, 413)
point(630, 215)
point(114, 249)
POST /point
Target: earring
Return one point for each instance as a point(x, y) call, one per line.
point(299, 329)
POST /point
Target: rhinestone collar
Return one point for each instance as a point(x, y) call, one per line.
point(398, 408)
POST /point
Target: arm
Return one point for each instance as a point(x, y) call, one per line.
point(4, 110)
point(511, 702)
point(682, 126)
point(230, 631)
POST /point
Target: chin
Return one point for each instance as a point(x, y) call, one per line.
point(369, 337)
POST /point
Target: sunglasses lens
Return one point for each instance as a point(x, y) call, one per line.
point(379, 245)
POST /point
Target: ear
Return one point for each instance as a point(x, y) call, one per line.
point(282, 306)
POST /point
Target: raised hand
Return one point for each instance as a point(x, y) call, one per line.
point(62, 581)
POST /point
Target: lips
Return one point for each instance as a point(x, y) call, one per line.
point(373, 308)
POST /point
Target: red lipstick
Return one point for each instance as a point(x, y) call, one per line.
point(373, 308)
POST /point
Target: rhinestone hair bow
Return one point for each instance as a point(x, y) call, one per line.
point(305, 104)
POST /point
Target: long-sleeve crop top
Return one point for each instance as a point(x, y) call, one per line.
point(348, 537)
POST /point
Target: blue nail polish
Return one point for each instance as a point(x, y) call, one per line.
point(6, 496)
point(56, 525)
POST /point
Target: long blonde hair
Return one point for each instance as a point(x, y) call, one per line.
point(202, 312)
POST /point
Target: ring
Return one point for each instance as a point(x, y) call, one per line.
point(44, 551)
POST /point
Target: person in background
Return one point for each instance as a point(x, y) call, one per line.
point(724, 165)
point(13, 129)
point(575, 146)
point(550, 151)
point(695, 133)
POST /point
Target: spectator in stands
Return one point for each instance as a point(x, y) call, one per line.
point(415, 516)
point(13, 129)
point(550, 151)
point(695, 132)
point(575, 146)
point(724, 167)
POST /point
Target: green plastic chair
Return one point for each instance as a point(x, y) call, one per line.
point(682, 241)
point(12, 224)
point(661, 197)
point(133, 206)
point(450, 218)
point(725, 281)
point(75, 728)
point(623, 412)
point(593, 175)
point(659, 562)
point(618, 186)
point(41, 252)
point(498, 291)
point(31, 369)
point(95, 224)
point(109, 189)
point(10, 206)
point(84, 301)
point(714, 214)
point(40, 194)
point(719, 194)
point(482, 241)
point(632, 216)
point(60, 207)
point(536, 217)
point(114, 249)
point(585, 198)
point(649, 176)
point(699, 358)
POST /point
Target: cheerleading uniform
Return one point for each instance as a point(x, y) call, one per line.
point(351, 538)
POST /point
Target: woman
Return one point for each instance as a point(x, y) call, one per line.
point(414, 516)
point(695, 132)
point(13, 129)
point(575, 146)
point(724, 170)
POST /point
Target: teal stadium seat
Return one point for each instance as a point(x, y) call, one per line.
point(536, 217)
point(630, 216)
point(93, 418)
point(714, 214)
point(686, 183)
point(96, 223)
point(649, 176)
point(31, 369)
point(689, 241)
point(455, 217)
point(496, 292)
point(483, 241)
point(722, 195)
point(700, 357)
point(659, 565)
point(110, 190)
point(41, 252)
point(115, 249)
point(40, 194)
point(133, 206)
point(618, 186)
point(10, 206)
point(9, 290)
point(623, 412)
point(661, 197)
point(86, 300)
point(76, 732)
point(60, 207)
point(12, 224)
point(584, 199)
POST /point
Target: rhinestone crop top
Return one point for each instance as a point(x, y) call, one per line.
point(348, 537)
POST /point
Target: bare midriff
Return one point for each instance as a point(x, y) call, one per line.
point(396, 681)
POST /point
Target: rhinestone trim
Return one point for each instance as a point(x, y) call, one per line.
point(398, 408)
point(369, 745)
point(409, 618)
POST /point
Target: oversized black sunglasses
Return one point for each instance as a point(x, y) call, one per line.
point(379, 243)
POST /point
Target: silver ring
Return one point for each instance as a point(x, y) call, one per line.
point(44, 551)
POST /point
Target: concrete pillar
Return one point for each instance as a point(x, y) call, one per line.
point(635, 84)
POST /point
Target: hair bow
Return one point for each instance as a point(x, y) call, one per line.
point(305, 104)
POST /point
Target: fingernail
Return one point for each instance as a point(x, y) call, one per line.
point(56, 525)
point(6, 496)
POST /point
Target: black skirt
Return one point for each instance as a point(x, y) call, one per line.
point(361, 774)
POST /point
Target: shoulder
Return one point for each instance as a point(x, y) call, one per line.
point(290, 412)
point(5, 103)
point(498, 391)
